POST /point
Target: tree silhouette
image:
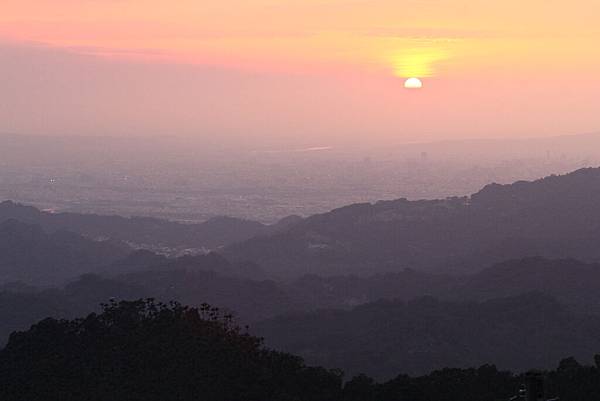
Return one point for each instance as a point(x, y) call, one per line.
point(143, 350)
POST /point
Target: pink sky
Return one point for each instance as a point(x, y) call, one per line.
point(318, 71)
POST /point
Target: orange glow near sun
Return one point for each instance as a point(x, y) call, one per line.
point(256, 66)
point(421, 41)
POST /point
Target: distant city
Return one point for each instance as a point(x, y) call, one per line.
point(192, 182)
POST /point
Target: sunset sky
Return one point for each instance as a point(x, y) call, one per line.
point(320, 71)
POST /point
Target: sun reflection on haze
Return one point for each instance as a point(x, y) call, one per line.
point(419, 61)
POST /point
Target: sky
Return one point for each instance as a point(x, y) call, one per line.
point(317, 72)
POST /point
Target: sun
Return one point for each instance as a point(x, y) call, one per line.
point(413, 83)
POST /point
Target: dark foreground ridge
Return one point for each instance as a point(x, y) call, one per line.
point(143, 350)
point(516, 315)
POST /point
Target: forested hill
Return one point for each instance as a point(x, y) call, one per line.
point(147, 351)
point(386, 337)
point(29, 254)
point(557, 217)
point(573, 283)
point(211, 234)
point(239, 288)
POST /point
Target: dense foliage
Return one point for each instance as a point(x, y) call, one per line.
point(466, 321)
point(184, 281)
point(150, 351)
point(518, 314)
point(143, 350)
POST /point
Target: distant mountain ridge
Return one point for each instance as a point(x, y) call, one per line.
point(555, 217)
point(211, 278)
point(518, 314)
point(190, 280)
point(573, 283)
point(212, 234)
point(29, 254)
point(32, 256)
point(386, 337)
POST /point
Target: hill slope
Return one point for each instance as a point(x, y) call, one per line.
point(146, 351)
point(387, 337)
point(211, 234)
point(29, 254)
point(556, 217)
point(573, 283)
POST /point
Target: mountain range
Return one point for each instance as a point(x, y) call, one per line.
point(554, 217)
point(29, 254)
point(145, 231)
point(385, 337)
point(508, 275)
